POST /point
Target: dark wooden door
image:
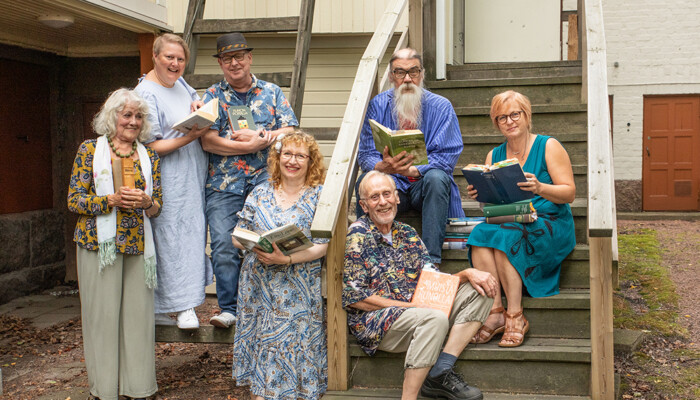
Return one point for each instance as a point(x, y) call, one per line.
point(25, 138)
point(671, 153)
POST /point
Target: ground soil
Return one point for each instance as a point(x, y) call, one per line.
point(47, 364)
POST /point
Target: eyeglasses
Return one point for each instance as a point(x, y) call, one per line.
point(239, 56)
point(387, 194)
point(514, 116)
point(401, 73)
point(299, 157)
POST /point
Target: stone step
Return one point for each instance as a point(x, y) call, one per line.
point(575, 269)
point(391, 394)
point(539, 90)
point(540, 366)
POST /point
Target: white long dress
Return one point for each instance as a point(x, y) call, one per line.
point(180, 234)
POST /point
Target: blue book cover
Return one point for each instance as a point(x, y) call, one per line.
point(497, 184)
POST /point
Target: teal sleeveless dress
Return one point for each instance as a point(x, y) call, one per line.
point(536, 250)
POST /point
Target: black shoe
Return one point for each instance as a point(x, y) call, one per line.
point(449, 385)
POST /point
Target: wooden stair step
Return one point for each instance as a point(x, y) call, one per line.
point(478, 96)
point(541, 365)
point(390, 394)
point(494, 138)
point(204, 334)
point(536, 109)
point(245, 25)
point(514, 81)
point(552, 123)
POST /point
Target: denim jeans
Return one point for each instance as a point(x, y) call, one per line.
point(430, 196)
point(222, 209)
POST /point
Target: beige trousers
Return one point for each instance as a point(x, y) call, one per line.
point(420, 332)
point(118, 326)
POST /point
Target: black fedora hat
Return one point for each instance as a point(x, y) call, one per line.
point(231, 42)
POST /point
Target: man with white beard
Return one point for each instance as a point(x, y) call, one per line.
point(429, 189)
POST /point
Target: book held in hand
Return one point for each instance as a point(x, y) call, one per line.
point(411, 141)
point(123, 173)
point(289, 238)
point(436, 290)
point(204, 116)
point(240, 117)
point(497, 183)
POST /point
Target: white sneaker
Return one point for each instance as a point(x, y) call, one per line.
point(223, 320)
point(164, 319)
point(187, 319)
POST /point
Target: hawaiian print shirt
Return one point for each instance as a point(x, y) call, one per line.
point(82, 200)
point(374, 266)
point(271, 111)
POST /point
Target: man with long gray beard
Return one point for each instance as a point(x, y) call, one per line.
point(429, 189)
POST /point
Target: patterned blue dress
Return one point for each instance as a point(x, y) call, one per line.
point(536, 250)
point(279, 348)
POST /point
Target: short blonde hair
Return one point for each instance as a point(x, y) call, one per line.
point(498, 104)
point(316, 172)
point(105, 121)
point(170, 38)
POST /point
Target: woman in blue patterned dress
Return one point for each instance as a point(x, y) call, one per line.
point(525, 254)
point(279, 348)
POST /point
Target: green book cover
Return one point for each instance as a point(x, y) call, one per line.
point(240, 117)
point(411, 141)
point(521, 218)
point(497, 210)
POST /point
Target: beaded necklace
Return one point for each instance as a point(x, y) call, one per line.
point(114, 149)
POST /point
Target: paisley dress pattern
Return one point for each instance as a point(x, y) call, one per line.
point(279, 348)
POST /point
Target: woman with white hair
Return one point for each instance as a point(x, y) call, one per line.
point(115, 250)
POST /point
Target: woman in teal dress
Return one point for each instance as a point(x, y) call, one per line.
point(525, 254)
point(279, 348)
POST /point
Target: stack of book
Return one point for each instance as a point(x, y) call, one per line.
point(520, 211)
point(457, 232)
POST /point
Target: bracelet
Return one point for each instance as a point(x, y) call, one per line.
point(290, 260)
point(152, 204)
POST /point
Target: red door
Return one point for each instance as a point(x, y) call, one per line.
point(25, 138)
point(671, 146)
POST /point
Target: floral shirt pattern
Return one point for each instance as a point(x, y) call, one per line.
point(270, 109)
point(82, 200)
point(373, 266)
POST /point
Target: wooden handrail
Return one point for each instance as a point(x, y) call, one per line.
point(601, 199)
point(330, 220)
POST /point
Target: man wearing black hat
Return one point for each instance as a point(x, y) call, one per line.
point(237, 158)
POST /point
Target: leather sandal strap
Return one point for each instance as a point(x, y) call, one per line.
point(516, 315)
point(497, 310)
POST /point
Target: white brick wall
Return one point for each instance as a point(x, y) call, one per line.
point(657, 47)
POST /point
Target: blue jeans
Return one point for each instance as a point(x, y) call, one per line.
point(221, 210)
point(430, 196)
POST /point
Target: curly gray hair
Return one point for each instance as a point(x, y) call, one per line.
point(105, 121)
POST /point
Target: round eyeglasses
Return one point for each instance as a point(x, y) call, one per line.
point(514, 116)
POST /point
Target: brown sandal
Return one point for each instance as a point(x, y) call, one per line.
point(479, 337)
point(516, 336)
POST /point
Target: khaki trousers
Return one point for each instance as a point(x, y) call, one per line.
point(118, 326)
point(420, 332)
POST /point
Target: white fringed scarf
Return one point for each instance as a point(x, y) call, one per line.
point(107, 223)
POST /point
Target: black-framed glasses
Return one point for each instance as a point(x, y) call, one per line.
point(238, 56)
point(401, 73)
point(514, 116)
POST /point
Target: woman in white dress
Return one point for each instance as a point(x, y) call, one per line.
point(184, 270)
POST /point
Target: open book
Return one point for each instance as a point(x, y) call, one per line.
point(497, 183)
point(289, 238)
point(204, 116)
point(412, 141)
point(436, 290)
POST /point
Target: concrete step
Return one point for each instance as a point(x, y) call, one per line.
point(514, 70)
point(543, 366)
point(390, 394)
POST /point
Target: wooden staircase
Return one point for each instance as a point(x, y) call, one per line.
point(196, 26)
point(555, 360)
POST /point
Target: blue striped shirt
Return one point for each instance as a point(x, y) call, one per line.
point(443, 140)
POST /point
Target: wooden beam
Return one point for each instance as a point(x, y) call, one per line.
point(203, 81)
point(429, 39)
point(337, 325)
point(415, 25)
point(385, 82)
point(602, 352)
point(221, 26)
point(301, 56)
point(146, 51)
point(195, 11)
point(458, 32)
point(572, 43)
point(204, 334)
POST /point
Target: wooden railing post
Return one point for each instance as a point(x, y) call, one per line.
point(301, 56)
point(429, 38)
point(338, 359)
point(602, 353)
